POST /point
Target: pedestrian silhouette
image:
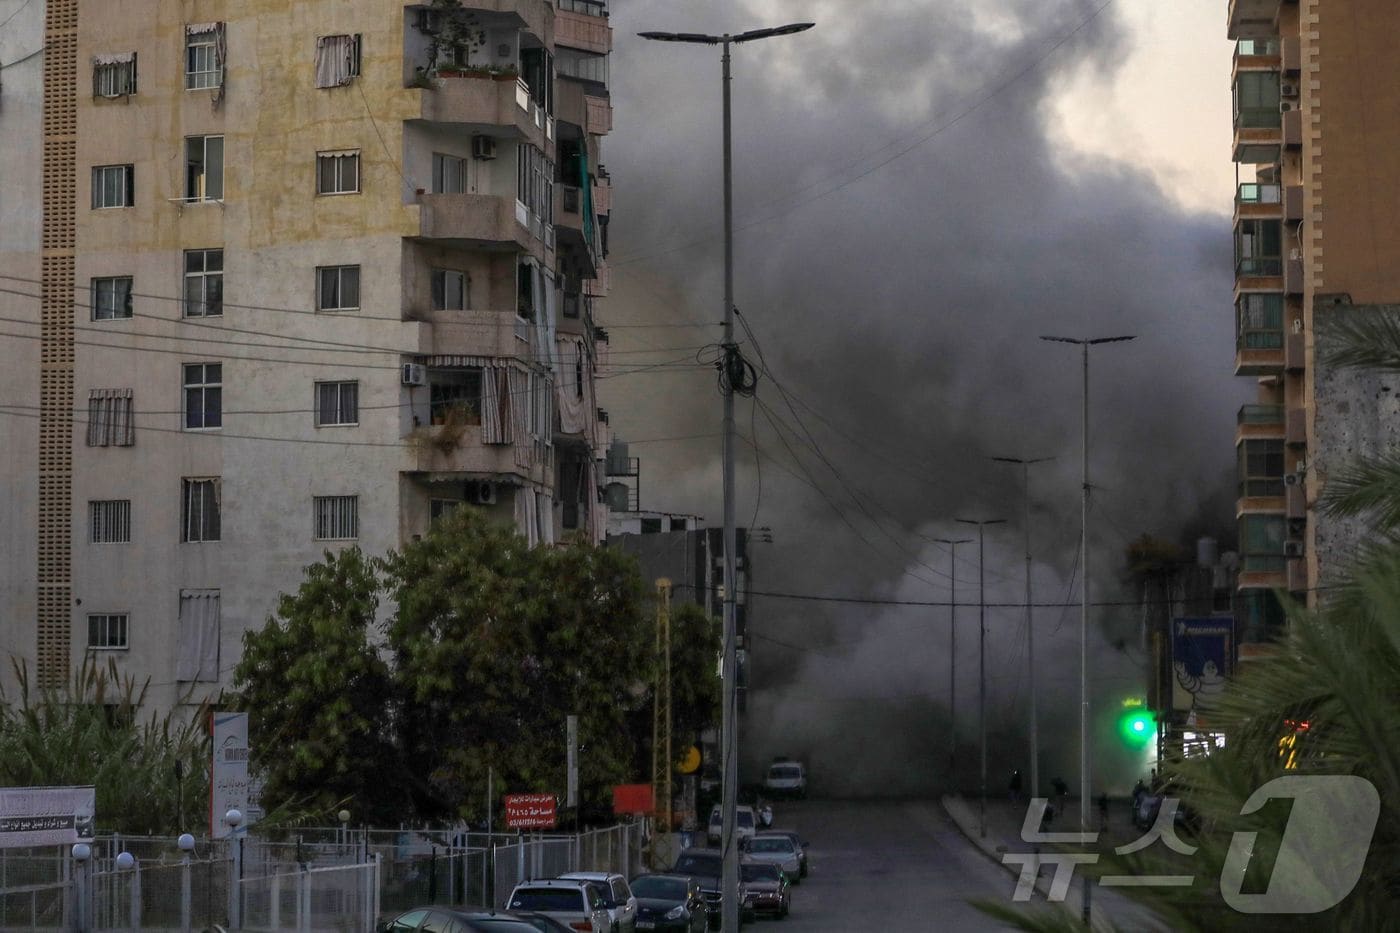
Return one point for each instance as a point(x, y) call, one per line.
point(1061, 789)
point(1103, 813)
point(1015, 786)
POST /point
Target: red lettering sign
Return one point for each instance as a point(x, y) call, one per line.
point(530, 811)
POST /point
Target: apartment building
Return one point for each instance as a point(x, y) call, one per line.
point(1317, 152)
point(287, 278)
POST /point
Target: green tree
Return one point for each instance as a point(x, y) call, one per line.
point(322, 698)
point(695, 683)
point(149, 773)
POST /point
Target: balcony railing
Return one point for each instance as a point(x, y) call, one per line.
point(1260, 414)
point(1270, 46)
point(1256, 193)
point(1259, 265)
point(1256, 118)
point(587, 7)
point(1259, 487)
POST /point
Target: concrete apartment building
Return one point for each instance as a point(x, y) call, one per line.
point(1317, 147)
point(281, 278)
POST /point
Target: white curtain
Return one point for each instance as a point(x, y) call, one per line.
point(572, 409)
point(335, 60)
point(198, 656)
point(496, 408)
point(110, 418)
point(544, 510)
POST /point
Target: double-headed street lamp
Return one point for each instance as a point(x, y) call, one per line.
point(729, 720)
point(1084, 343)
point(1026, 465)
point(982, 652)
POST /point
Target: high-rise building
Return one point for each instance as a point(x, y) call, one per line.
point(1317, 149)
point(281, 279)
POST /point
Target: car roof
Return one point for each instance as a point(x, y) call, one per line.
point(556, 883)
point(774, 834)
point(696, 851)
point(668, 875)
point(590, 876)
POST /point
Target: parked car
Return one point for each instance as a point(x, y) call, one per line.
point(786, 778)
point(617, 897)
point(670, 903)
point(456, 920)
point(801, 847)
point(775, 849)
point(576, 904)
point(770, 887)
point(745, 823)
point(706, 866)
point(541, 922)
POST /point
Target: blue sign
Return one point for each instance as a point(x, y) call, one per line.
point(1203, 654)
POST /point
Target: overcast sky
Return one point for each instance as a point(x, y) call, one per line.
point(923, 187)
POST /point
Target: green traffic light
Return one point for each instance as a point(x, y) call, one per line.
point(1137, 727)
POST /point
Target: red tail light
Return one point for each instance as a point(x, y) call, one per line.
point(585, 925)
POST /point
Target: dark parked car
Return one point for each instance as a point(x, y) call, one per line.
point(769, 885)
point(706, 866)
point(671, 903)
point(456, 920)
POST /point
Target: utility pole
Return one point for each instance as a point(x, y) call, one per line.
point(1085, 757)
point(731, 363)
point(952, 653)
point(982, 654)
point(661, 755)
point(1030, 627)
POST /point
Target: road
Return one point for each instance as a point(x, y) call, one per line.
point(888, 866)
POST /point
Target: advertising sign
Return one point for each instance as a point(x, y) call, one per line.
point(1202, 660)
point(228, 785)
point(632, 798)
point(46, 816)
point(530, 811)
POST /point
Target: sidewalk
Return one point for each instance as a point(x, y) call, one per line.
point(1110, 910)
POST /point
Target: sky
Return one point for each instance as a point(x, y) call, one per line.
point(922, 189)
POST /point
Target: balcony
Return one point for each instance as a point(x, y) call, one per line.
point(1259, 337)
point(467, 333)
point(1259, 422)
point(457, 451)
point(1254, 200)
point(583, 24)
point(476, 221)
point(1258, 55)
point(1252, 19)
point(485, 104)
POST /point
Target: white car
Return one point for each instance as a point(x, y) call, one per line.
point(745, 823)
point(578, 905)
point(776, 849)
point(618, 900)
point(786, 779)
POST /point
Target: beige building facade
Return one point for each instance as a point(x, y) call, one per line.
point(294, 277)
point(1317, 149)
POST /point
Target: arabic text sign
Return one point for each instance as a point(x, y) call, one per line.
point(530, 811)
point(46, 816)
point(229, 788)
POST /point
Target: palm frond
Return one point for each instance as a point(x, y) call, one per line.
point(1369, 486)
point(1363, 341)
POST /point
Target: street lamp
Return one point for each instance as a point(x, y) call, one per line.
point(1026, 465)
point(731, 362)
point(982, 652)
point(1084, 790)
point(952, 651)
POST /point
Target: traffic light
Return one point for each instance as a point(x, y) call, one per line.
point(1137, 727)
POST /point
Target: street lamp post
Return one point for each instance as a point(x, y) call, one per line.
point(729, 720)
point(982, 654)
point(1026, 465)
point(1084, 757)
point(952, 652)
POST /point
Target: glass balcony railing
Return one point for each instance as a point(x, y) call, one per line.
point(1259, 322)
point(1258, 118)
point(1262, 487)
point(1260, 414)
point(1258, 47)
point(1256, 193)
point(1262, 563)
point(594, 7)
point(1259, 265)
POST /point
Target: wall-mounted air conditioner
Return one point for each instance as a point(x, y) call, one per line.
point(481, 493)
point(483, 147)
point(414, 374)
point(1292, 549)
point(1288, 90)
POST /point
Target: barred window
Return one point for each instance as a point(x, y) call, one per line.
point(337, 172)
point(107, 631)
point(337, 403)
point(199, 509)
point(338, 288)
point(110, 418)
point(111, 298)
point(337, 518)
point(110, 521)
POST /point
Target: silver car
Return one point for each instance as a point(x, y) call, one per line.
point(776, 849)
point(617, 897)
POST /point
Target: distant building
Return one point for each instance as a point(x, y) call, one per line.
point(1317, 147)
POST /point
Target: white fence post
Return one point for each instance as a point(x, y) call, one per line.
point(275, 911)
point(373, 918)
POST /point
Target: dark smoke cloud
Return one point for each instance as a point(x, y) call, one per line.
point(905, 309)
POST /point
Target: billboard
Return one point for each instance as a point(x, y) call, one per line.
point(46, 816)
point(530, 811)
point(632, 798)
point(228, 785)
point(1202, 660)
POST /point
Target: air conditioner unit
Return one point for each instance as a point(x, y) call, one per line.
point(1285, 105)
point(1293, 549)
point(481, 493)
point(1288, 90)
point(1295, 255)
point(430, 22)
point(1292, 479)
point(414, 374)
point(483, 147)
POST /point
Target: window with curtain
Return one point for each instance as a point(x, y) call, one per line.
point(114, 75)
point(337, 60)
point(111, 298)
point(337, 403)
point(110, 421)
point(199, 633)
point(199, 509)
point(338, 288)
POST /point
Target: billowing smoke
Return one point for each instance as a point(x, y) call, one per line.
point(899, 306)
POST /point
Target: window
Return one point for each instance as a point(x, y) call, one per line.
point(449, 174)
point(113, 186)
point(199, 510)
point(204, 168)
point(111, 298)
point(585, 66)
point(337, 172)
point(197, 656)
point(1261, 542)
point(456, 390)
point(337, 403)
point(440, 509)
point(107, 631)
point(1261, 468)
point(109, 418)
point(109, 521)
point(1258, 247)
point(204, 391)
point(337, 518)
point(1260, 319)
point(337, 60)
point(451, 290)
point(114, 75)
point(338, 288)
point(534, 182)
point(1257, 96)
point(204, 282)
point(204, 56)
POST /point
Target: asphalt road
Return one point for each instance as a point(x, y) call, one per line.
point(892, 866)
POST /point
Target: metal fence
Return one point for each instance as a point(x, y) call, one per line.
point(314, 880)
